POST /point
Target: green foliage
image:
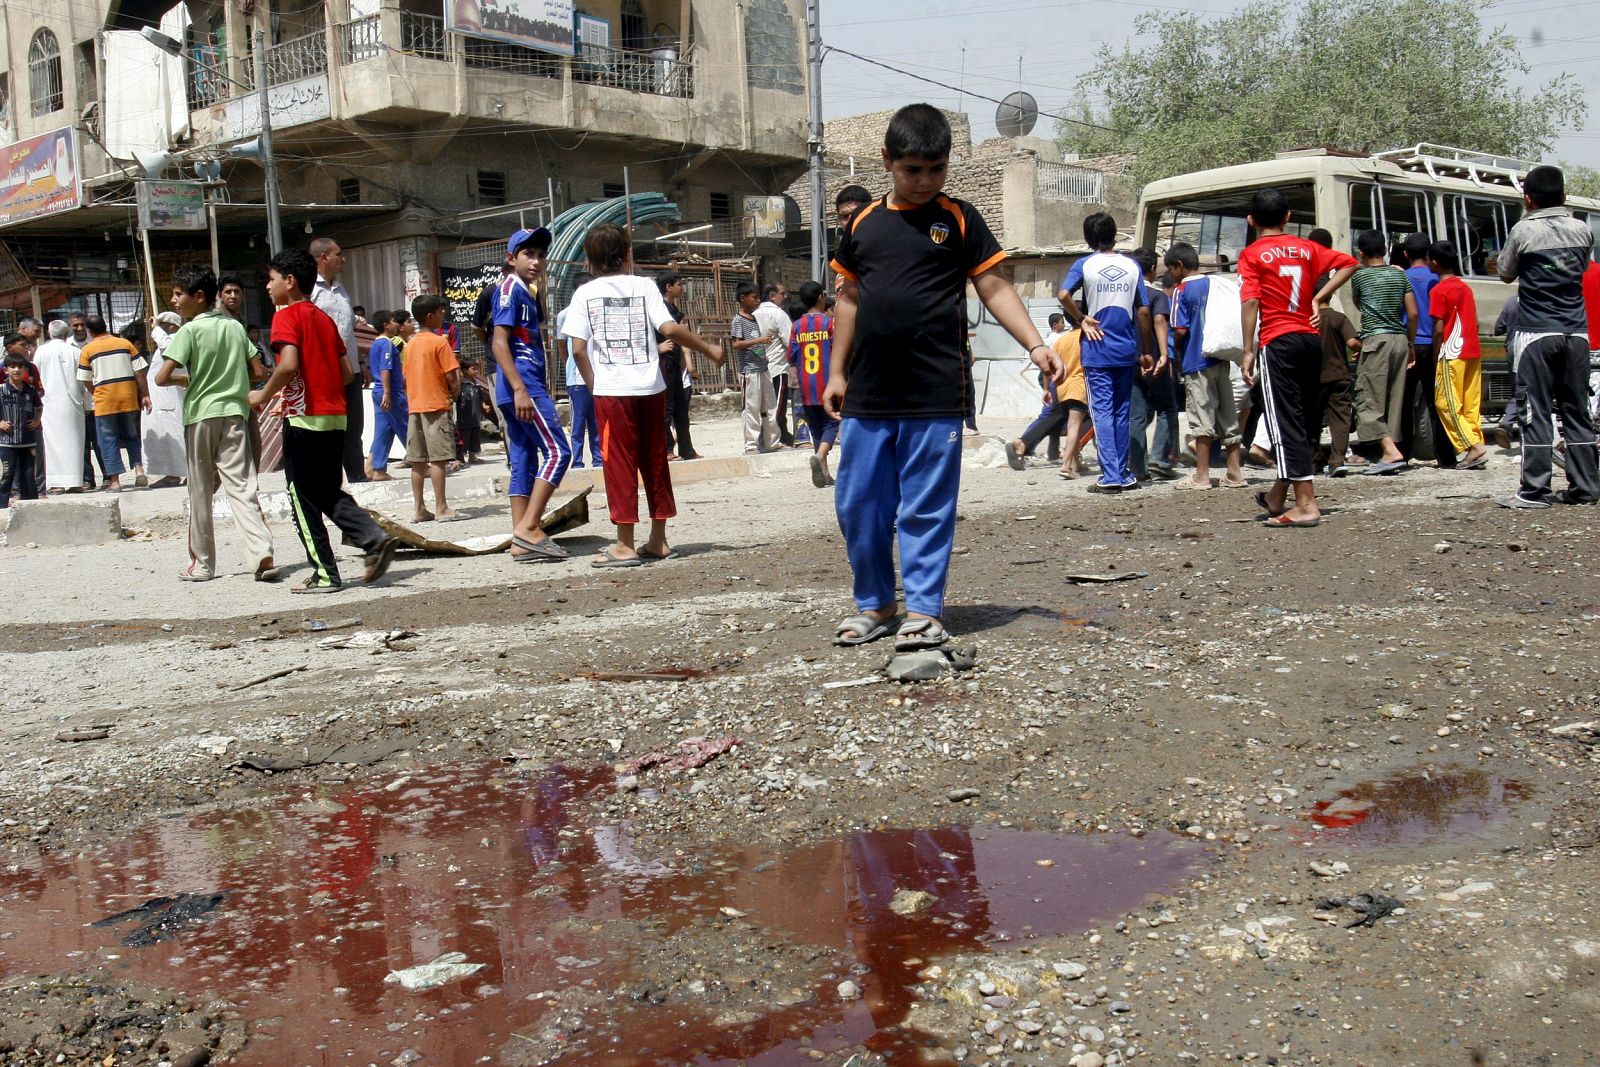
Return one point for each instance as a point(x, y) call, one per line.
point(1581, 180)
point(1366, 75)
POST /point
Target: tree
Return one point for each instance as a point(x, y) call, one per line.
point(1365, 75)
point(1582, 181)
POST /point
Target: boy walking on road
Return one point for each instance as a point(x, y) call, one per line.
point(811, 355)
point(434, 377)
point(900, 380)
point(311, 372)
point(1389, 330)
point(214, 351)
point(1277, 275)
point(1117, 328)
point(1208, 390)
point(1547, 253)
point(1458, 389)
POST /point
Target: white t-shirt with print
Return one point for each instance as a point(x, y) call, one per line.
point(617, 316)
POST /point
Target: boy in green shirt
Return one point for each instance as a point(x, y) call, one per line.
point(1388, 307)
point(213, 349)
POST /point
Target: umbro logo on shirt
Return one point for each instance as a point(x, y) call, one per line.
point(1111, 272)
point(939, 232)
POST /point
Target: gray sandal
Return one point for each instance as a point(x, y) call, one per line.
point(546, 551)
point(866, 629)
point(918, 634)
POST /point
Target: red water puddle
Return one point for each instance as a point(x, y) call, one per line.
point(1416, 804)
point(330, 890)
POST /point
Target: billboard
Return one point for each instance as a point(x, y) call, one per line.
point(172, 205)
point(462, 285)
point(39, 176)
point(764, 216)
point(294, 104)
point(542, 24)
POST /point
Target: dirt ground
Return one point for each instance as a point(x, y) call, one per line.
point(1220, 763)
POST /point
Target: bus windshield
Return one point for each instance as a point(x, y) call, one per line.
point(1215, 222)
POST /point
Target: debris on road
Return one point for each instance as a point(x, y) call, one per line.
point(162, 918)
point(911, 901)
point(697, 752)
point(97, 734)
point(1097, 579)
point(443, 969)
point(271, 676)
point(1370, 906)
point(372, 640)
point(352, 754)
point(929, 664)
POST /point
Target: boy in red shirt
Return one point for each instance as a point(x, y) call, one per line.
point(310, 374)
point(1278, 275)
point(1458, 382)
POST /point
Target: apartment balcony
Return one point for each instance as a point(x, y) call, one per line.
point(400, 69)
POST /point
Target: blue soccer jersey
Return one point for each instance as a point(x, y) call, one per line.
point(1113, 291)
point(811, 353)
point(1189, 313)
point(383, 357)
point(516, 309)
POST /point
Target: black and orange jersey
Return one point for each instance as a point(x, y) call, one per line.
point(908, 358)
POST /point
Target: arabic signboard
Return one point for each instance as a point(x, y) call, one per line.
point(764, 216)
point(293, 104)
point(542, 24)
point(39, 176)
point(462, 285)
point(172, 206)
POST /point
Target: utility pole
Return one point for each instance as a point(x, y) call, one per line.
point(269, 166)
point(819, 191)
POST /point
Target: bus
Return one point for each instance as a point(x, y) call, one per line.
point(1470, 199)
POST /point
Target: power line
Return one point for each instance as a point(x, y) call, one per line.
point(954, 89)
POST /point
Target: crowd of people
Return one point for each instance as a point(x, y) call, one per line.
point(1258, 361)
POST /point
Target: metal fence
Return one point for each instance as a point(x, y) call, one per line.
point(708, 306)
point(1063, 182)
point(360, 39)
point(424, 35)
point(302, 57)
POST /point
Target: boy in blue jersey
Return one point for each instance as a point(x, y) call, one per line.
point(1116, 329)
point(1208, 390)
point(900, 379)
point(536, 445)
point(389, 406)
point(811, 356)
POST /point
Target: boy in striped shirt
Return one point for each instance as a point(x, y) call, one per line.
point(810, 354)
point(1389, 315)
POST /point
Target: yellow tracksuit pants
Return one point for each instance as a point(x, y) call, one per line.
point(1458, 395)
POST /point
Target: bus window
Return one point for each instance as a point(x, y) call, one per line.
point(1216, 224)
point(1394, 212)
point(1478, 229)
point(1594, 228)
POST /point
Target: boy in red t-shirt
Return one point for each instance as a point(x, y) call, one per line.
point(1278, 275)
point(310, 374)
point(1458, 382)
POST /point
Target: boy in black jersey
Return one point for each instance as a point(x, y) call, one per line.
point(900, 380)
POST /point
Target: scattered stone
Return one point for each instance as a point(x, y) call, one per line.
point(83, 735)
point(911, 901)
point(848, 990)
point(1070, 971)
point(957, 795)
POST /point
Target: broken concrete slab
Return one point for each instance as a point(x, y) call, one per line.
point(65, 520)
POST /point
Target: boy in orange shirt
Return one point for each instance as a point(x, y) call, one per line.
point(433, 377)
point(1458, 382)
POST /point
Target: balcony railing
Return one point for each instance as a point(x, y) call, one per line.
point(660, 72)
point(1074, 185)
point(302, 57)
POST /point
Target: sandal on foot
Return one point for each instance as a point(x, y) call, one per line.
point(1478, 464)
point(1261, 499)
point(608, 560)
point(658, 557)
point(819, 473)
point(918, 634)
point(546, 551)
point(865, 628)
point(1230, 483)
point(426, 516)
point(1013, 457)
point(1283, 521)
point(1189, 483)
point(377, 561)
point(311, 585)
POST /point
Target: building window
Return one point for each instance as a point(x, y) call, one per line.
point(721, 206)
point(349, 191)
point(635, 31)
point(88, 73)
point(612, 190)
point(8, 129)
point(44, 73)
point(772, 47)
point(491, 188)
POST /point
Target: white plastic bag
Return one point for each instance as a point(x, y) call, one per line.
point(1222, 336)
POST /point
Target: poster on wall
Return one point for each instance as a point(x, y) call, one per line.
point(39, 176)
point(542, 24)
point(172, 205)
point(461, 286)
point(764, 216)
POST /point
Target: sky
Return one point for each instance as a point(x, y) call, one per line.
point(979, 45)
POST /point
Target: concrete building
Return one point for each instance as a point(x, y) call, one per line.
point(395, 135)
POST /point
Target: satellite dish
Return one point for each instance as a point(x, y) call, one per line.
point(1016, 115)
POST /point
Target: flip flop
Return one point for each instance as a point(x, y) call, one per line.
point(658, 557)
point(1261, 499)
point(546, 551)
point(1283, 521)
point(1013, 457)
point(426, 516)
point(1481, 463)
point(1228, 483)
point(866, 628)
point(819, 474)
point(1381, 469)
point(1189, 484)
point(454, 516)
point(918, 634)
point(312, 586)
point(608, 560)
